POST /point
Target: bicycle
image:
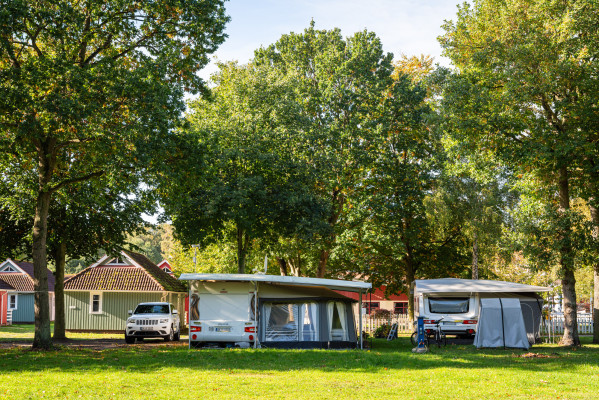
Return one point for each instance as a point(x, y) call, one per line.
point(437, 336)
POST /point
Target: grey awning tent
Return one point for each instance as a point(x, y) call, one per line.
point(501, 324)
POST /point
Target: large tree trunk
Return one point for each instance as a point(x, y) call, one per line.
point(410, 276)
point(46, 163)
point(41, 339)
point(59, 317)
point(475, 257)
point(570, 337)
point(595, 311)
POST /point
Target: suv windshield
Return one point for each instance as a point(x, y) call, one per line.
point(151, 309)
point(448, 305)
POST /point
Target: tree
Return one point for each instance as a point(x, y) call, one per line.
point(241, 175)
point(83, 84)
point(523, 87)
point(339, 84)
point(88, 216)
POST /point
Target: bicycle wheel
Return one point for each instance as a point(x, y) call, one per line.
point(414, 338)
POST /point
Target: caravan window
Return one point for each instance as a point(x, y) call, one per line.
point(448, 305)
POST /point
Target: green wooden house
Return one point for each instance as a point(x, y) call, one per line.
point(99, 297)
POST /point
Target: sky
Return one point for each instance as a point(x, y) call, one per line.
point(407, 27)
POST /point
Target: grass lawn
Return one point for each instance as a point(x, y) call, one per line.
point(389, 370)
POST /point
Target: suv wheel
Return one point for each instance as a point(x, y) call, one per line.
point(177, 335)
point(170, 336)
point(129, 339)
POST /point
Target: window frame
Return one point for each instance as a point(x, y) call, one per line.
point(402, 304)
point(372, 306)
point(13, 296)
point(91, 302)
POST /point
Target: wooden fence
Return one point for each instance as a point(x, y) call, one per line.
point(369, 324)
point(552, 326)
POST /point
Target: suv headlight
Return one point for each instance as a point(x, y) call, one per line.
point(164, 320)
point(130, 321)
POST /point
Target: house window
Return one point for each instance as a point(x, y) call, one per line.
point(400, 307)
point(372, 306)
point(95, 303)
point(12, 302)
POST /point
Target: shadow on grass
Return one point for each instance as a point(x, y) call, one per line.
point(394, 355)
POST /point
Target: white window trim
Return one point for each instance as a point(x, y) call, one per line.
point(91, 302)
point(16, 301)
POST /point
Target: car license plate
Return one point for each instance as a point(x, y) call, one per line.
point(145, 328)
point(223, 329)
point(449, 323)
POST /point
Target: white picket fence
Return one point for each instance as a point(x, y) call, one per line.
point(369, 324)
point(554, 325)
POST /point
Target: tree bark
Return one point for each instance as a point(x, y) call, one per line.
point(59, 317)
point(46, 152)
point(570, 337)
point(595, 311)
point(41, 339)
point(282, 266)
point(475, 257)
point(410, 277)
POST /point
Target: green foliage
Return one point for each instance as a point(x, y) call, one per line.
point(248, 181)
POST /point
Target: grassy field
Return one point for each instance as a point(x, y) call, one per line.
point(388, 370)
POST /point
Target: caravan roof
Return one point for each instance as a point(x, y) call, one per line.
point(334, 284)
point(453, 285)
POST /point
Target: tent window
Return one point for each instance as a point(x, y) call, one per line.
point(281, 322)
point(337, 321)
point(290, 322)
point(448, 305)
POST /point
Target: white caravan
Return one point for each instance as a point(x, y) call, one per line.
point(456, 303)
point(258, 310)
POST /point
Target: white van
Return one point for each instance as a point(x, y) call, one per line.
point(456, 303)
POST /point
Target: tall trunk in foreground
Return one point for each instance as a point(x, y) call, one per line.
point(595, 311)
point(60, 256)
point(46, 163)
point(570, 337)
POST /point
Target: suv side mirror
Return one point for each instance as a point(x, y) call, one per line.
point(175, 312)
point(130, 312)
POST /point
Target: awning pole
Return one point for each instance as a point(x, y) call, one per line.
point(360, 323)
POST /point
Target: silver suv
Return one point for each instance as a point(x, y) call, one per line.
point(152, 320)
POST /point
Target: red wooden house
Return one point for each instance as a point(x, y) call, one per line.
point(396, 303)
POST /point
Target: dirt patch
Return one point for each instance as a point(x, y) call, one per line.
point(96, 344)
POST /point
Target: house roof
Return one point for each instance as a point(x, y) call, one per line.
point(139, 274)
point(453, 285)
point(22, 280)
point(349, 286)
point(377, 295)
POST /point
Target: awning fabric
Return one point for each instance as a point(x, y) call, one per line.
point(500, 324)
point(453, 286)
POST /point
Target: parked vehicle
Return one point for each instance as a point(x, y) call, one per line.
point(457, 303)
point(153, 320)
